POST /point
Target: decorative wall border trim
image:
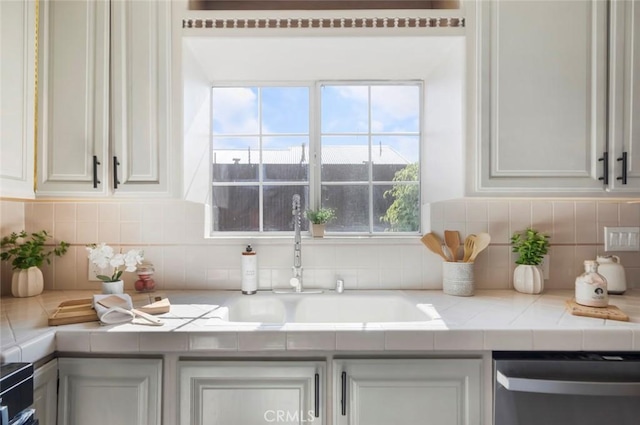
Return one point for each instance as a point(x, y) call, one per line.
point(302, 23)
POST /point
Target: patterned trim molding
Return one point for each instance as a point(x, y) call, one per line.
point(290, 23)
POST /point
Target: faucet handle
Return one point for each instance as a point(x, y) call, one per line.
point(339, 286)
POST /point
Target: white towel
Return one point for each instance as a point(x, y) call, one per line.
point(109, 316)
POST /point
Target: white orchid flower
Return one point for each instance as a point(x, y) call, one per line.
point(103, 256)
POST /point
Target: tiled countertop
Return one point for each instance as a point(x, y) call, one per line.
point(490, 320)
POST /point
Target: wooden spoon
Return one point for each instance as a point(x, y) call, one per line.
point(469, 244)
point(452, 240)
point(434, 244)
point(482, 241)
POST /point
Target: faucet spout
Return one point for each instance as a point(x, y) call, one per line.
point(296, 280)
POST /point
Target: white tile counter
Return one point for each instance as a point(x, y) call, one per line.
point(490, 320)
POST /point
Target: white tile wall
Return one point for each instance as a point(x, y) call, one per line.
point(171, 234)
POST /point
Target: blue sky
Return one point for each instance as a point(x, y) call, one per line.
point(345, 109)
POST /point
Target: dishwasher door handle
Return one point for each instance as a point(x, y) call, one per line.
point(553, 386)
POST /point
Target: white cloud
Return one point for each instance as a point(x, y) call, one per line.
point(235, 111)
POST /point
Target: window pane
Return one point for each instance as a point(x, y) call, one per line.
point(391, 154)
point(351, 204)
point(235, 159)
point(395, 109)
point(345, 109)
point(285, 110)
point(278, 207)
point(396, 208)
point(345, 158)
point(286, 158)
point(235, 110)
point(235, 208)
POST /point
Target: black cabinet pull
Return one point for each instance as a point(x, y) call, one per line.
point(605, 168)
point(96, 182)
point(343, 400)
point(316, 401)
point(624, 168)
point(116, 182)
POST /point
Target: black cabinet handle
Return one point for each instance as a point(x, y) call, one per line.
point(343, 400)
point(96, 182)
point(605, 168)
point(116, 182)
point(316, 402)
point(624, 168)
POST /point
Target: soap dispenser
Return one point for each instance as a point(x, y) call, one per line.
point(591, 287)
point(249, 271)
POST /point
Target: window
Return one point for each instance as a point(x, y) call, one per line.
point(351, 147)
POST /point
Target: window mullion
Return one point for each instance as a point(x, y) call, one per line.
point(315, 147)
point(370, 130)
point(261, 166)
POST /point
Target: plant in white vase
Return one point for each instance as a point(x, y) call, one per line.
point(319, 218)
point(27, 253)
point(531, 247)
point(104, 257)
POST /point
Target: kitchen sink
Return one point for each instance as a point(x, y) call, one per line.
point(389, 307)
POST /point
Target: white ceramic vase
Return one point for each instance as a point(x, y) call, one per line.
point(116, 287)
point(27, 282)
point(528, 279)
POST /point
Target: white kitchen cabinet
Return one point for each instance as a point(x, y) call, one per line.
point(17, 97)
point(407, 392)
point(104, 98)
point(45, 393)
point(541, 98)
point(251, 392)
point(624, 97)
point(140, 93)
point(73, 90)
point(109, 391)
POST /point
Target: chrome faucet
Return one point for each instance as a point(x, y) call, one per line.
point(296, 280)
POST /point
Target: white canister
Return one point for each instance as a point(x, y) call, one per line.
point(611, 269)
point(591, 287)
point(249, 271)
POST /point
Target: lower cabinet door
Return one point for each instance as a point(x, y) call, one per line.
point(407, 392)
point(251, 392)
point(45, 393)
point(109, 391)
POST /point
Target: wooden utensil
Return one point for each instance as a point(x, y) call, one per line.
point(434, 244)
point(469, 244)
point(482, 241)
point(452, 240)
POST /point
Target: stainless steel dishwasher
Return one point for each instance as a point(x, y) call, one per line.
point(556, 388)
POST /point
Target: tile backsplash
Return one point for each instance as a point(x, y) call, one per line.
point(171, 234)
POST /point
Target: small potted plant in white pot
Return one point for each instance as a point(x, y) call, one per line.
point(27, 253)
point(104, 257)
point(531, 247)
point(319, 218)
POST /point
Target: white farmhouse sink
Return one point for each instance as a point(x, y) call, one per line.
point(357, 307)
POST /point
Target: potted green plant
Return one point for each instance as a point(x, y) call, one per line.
point(27, 253)
point(531, 247)
point(319, 218)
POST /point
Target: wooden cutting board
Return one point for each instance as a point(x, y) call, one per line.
point(81, 311)
point(611, 312)
point(74, 311)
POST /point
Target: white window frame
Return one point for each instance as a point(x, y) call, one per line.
point(315, 165)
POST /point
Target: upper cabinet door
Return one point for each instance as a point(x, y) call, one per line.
point(624, 130)
point(73, 117)
point(140, 112)
point(17, 97)
point(542, 96)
